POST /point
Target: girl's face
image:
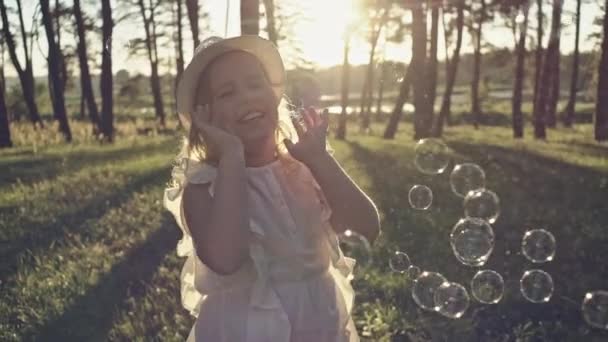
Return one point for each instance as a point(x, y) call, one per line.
point(241, 98)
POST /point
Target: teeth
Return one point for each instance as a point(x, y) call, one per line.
point(251, 116)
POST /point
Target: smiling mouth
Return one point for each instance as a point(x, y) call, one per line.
point(251, 116)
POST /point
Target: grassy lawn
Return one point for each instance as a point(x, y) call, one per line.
point(87, 252)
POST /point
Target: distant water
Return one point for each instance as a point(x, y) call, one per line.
point(407, 108)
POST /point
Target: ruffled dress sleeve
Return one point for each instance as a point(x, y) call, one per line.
point(196, 279)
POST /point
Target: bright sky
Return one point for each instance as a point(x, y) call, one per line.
point(319, 33)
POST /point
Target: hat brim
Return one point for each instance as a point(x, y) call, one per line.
point(264, 50)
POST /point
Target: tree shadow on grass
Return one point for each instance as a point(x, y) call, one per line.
point(94, 311)
point(47, 166)
point(38, 237)
point(535, 192)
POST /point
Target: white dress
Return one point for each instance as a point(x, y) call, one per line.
point(297, 286)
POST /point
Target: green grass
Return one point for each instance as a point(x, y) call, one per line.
point(87, 252)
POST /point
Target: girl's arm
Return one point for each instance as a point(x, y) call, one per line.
point(219, 225)
point(351, 207)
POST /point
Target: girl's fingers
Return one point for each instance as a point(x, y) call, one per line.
point(314, 114)
point(298, 127)
point(308, 121)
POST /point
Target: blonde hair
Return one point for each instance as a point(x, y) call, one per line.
point(195, 147)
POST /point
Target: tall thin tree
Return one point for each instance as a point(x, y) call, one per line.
point(601, 105)
point(402, 97)
point(26, 74)
point(518, 120)
point(432, 63)
point(152, 49)
point(192, 9)
point(54, 65)
point(5, 128)
point(421, 105)
point(179, 53)
point(250, 17)
point(341, 131)
point(85, 76)
point(444, 113)
point(537, 113)
point(568, 117)
point(271, 25)
point(106, 83)
point(477, 37)
point(549, 88)
point(376, 24)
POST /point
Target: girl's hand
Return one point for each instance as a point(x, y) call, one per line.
point(219, 142)
point(312, 136)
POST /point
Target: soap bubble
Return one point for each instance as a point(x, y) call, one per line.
point(487, 287)
point(420, 197)
point(538, 245)
point(595, 309)
point(483, 204)
point(451, 300)
point(472, 240)
point(467, 177)
point(424, 287)
point(431, 156)
point(399, 262)
point(536, 286)
point(356, 246)
point(413, 272)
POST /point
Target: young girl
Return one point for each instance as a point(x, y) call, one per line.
point(260, 208)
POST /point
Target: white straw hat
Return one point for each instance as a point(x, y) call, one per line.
point(265, 51)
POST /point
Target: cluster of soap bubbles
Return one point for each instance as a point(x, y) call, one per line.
point(472, 240)
point(538, 246)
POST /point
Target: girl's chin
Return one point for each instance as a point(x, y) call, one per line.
point(257, 140)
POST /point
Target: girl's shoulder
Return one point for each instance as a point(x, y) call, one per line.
point(193, 171)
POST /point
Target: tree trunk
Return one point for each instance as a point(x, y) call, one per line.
point(432, 62)
point(518, 120)
point(539, 123)
point(549, 91)
point(62, 64)
point(54, 66)
point(366, 92)
point(26, 76)
point(250, 17)
point(418, 74)
point(83, 105)
point(404, 93)
point(383, 72)
point(475, 106)
point(569, 115)
point(5, 131)
point(155, 80)
point(192, 9)
point(444, 113)
point(85, 77)
point(107, 99)
point(341, 132)
point(180, 44)
point(601, 106)
point(153, 59)
point(271, 27)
